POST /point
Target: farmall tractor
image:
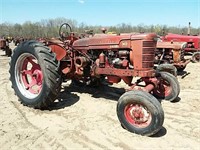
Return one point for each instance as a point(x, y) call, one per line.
point(192, 46)
point(171, 53)
point(37, 71)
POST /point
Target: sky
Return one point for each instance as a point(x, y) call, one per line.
point(104, 12)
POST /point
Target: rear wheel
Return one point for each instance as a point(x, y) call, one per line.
point(196, 57)
point(139, 112)
point(168, 88)
point(35, 74)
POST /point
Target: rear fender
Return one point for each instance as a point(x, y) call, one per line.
point(59, 50)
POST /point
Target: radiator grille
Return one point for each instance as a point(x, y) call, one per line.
point(182, 54)
point(148, 50)
point(148, 44)
point(148, 54)
point(147, 65)
point(148, 57)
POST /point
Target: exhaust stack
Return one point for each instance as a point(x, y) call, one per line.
point(189, 28)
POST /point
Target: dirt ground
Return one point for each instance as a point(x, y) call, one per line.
point(85, 118)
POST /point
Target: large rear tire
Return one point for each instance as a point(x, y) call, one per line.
point(168, 88)
point(35, 74)
point(140, 112)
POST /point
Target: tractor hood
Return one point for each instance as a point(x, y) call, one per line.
point(171, 45)
point(179, 36)
point(109, 39)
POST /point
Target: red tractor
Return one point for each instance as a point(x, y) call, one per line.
point(192, 47)
point(37, 71)
point(171, 53)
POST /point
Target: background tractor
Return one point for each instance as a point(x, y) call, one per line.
point(4, 45)
point(171, 53)
point(192, 46)
point(38, 69)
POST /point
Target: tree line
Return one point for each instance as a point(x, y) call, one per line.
point(47, 28)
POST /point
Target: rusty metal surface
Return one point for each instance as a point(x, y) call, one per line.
point(59, 50)
point(171, 45)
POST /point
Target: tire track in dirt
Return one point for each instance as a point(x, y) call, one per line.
point(19, 131)
point(10, 117)
point(86, 118)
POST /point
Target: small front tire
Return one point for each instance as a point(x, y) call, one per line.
point(139, 112)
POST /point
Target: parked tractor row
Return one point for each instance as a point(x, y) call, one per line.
point(192, 46)
point(37, 70)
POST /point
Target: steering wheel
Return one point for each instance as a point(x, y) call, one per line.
point(66, 33)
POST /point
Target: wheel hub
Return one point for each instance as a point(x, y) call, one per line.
point(37, 74)
point(137, 115)
point(29, 76)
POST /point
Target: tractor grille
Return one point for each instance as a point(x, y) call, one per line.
point(148, 54)
point(182, 54)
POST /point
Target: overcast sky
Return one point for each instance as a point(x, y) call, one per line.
point(104, 12)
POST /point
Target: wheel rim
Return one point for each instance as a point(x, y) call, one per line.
point(197, 57)
point(137, 115)
point(164, 89)
point(28, 75)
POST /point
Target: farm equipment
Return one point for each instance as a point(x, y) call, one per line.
point(18, 40)
point(171, 53)
point(4, 45)
point(192, 46)
point(38, 69)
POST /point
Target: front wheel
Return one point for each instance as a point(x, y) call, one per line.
point(167, 68)
point(139, 112)
point(35, 74)
point(168, 87)
point(196, 57)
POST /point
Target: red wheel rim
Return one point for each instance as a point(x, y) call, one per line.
point(137, 115)
point(28, 75)
point(32, 77)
